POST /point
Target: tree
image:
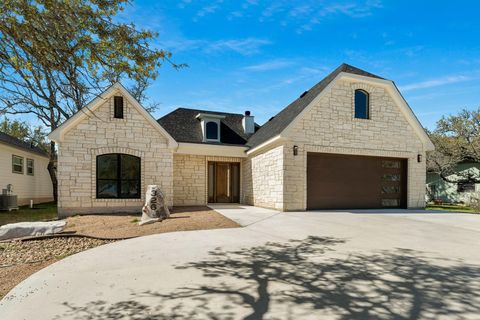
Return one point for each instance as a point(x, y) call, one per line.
point(456, 139)
point(23, 131)
point(57, 55)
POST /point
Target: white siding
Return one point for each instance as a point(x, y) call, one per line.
point(37, 187)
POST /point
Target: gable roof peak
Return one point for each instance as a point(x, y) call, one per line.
point(347, 68)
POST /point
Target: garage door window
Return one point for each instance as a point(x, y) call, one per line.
point(390, 202)
point(390, 189)
point(391, 164)
point(391, 177)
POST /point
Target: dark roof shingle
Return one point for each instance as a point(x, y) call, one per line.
point(279, 122)
point(183, 126)
point(12, 141)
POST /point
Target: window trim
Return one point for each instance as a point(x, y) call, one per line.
point(119, 179)
point(33, 167)
point(118, 111)
point(23, 164)
point(367, 95)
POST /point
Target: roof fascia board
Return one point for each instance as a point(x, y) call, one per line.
point(265, 144)
point(211, 150)
point(209, 115)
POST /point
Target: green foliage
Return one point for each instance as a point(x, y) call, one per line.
point(57, 55)
point(457, 140)
point(41, 212)
point(23, 131)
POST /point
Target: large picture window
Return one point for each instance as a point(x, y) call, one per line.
point(118, 176)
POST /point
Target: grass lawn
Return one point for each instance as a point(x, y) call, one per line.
point(40, 212)
point(450, 207)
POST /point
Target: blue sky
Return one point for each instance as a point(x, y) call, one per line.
point(261, 55)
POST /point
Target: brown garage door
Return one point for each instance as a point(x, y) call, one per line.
point(347, 182)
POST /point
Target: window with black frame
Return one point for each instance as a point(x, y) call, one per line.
point(362, 104)
point(118, 176)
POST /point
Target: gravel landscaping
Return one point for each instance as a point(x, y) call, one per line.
point(20, 259)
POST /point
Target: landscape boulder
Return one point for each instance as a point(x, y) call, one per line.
point(155, 208)
point(30, 229)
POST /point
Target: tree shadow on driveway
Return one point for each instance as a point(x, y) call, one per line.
point(299, 278)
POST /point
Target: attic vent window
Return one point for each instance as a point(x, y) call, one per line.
point(118, 107)
point(211, 129)
point(210, 124)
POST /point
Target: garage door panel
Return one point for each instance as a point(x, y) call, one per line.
point(345, 181)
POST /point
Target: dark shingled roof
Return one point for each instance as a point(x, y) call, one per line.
point(278, 123)
point(12, 141)
point(182, 125)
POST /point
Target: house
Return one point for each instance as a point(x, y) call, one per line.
point(351, 141)
point(25, 168)
point(449, 192)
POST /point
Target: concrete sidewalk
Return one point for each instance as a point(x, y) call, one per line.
point(298, 265)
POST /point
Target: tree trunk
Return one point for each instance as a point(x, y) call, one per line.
point(53, 171)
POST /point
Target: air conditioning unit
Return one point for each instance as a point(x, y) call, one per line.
point(8, 201)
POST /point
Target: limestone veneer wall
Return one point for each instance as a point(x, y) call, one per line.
point(190, 178)
point(101, 134)
point(264, 178)
point(330, 127)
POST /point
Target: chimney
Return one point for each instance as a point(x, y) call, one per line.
point(248, 123)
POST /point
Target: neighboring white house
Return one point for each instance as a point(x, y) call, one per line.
point(449, 192)
point(350, 141)
point(25, 168)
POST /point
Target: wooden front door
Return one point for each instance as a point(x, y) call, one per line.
point(223, 182)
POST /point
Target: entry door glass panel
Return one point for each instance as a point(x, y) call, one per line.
point(235, 182)
point(211, 182)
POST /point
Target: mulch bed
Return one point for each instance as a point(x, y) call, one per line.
point(20, 259)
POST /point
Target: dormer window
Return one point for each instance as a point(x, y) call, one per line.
point(118, 107)
point(210, 124)
point(362, 104)
point(211, 130)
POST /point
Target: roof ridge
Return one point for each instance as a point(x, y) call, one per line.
point(201, 110)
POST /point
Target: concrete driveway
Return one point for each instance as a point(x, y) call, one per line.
point(299, 265)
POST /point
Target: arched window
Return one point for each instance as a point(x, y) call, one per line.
point(361, 104)
point(118, 176)
point(211, 130)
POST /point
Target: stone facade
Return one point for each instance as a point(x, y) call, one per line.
point(190, 178)
point(330, 127)
point(263, 176)
point(271, 176)
point(101, 133)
